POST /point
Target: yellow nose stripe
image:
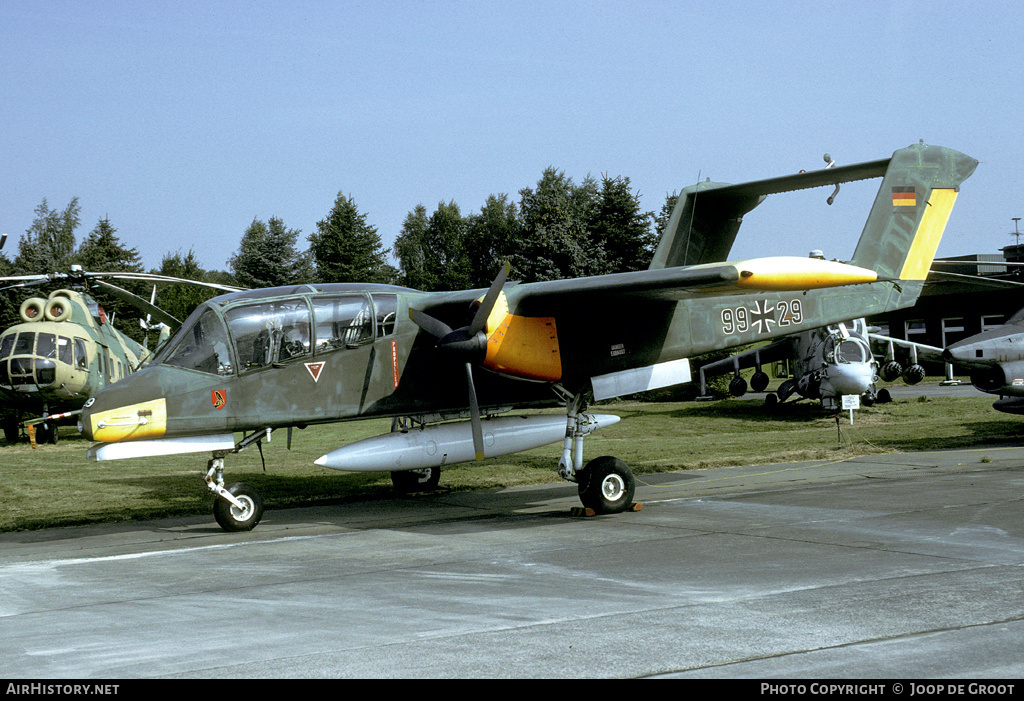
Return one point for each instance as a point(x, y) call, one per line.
point(134, 422)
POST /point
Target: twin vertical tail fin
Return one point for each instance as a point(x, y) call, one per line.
point(911, 209)
point(919, 187)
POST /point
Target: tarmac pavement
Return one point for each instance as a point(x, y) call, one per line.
point(903, 566)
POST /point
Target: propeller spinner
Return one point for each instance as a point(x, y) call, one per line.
point(468, 343)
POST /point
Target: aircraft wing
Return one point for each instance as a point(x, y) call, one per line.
point(781, 349)
point(926, 352)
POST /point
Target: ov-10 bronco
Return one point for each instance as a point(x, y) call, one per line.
point(254, 361)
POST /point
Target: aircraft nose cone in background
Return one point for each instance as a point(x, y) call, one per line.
point(986, 348)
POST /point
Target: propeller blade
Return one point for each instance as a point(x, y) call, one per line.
point(480, 318)
point(436, 328)
point(474, 415)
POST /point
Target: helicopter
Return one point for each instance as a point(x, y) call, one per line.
point(446, 366)
point(66, 349)
point(828, 362)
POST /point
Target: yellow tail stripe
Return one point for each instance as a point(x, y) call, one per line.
point(929, 233)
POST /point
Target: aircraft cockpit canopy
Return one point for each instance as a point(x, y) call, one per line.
point(254, 335)
point(846, 350)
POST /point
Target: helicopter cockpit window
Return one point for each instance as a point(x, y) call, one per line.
point(46, 345)
point(272, 332)
point(64, 350)
point(845, 350)
point(342, 322)
point(81, 355)
point(25, 343)
point(7, 345)
point(850, 351)
point(203, 346)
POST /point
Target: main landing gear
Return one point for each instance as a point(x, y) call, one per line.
point(606, 484)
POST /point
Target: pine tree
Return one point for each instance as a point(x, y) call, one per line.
point(102, 251)
point(347, 249)
point(49, 244)
point(267, 256)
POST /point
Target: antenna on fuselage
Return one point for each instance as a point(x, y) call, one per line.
point(831, 162)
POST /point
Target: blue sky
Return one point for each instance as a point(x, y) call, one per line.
point(182, 122)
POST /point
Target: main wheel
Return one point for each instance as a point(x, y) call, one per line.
point(606, 485)
point(411, 481)
point(232, 518)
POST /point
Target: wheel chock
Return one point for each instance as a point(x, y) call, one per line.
point(583, 511)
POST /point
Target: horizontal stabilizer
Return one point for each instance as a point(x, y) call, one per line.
point(707, 216)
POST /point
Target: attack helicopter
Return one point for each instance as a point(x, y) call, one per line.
point(66, 349)
point(826, 363)
point(446, 366)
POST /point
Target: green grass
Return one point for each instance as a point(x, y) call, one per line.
point(54, 485)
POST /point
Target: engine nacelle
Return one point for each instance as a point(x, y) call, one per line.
point(1004, 378)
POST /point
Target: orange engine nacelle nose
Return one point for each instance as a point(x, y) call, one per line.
point(526, 347)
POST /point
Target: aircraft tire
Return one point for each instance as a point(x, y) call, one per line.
point(230, 517)
point(883, 396)
point(412, 481)
point(606, 485)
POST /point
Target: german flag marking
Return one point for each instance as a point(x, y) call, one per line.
point(904, 197)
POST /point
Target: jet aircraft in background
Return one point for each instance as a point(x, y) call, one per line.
point(993, 359)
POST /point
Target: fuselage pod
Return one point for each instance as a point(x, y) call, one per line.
point(450, 443)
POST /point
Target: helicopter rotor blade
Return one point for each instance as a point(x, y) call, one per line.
point(139, 303)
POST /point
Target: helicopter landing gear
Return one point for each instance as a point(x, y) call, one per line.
point(238, 507)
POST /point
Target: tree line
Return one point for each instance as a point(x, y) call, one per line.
point(557, 229)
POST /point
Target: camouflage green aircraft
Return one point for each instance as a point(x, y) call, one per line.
point(65, 349)
point(260, 360)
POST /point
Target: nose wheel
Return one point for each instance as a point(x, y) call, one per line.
point(244, 513)
point(239, 506)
